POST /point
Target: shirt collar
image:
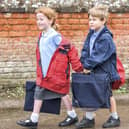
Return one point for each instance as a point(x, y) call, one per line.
point(46, 34)
point(97, 32)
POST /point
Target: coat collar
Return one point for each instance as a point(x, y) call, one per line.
point(104, 30)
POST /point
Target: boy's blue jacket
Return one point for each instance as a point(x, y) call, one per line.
point(103, 56)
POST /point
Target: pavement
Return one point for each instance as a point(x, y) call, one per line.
point(11, 110)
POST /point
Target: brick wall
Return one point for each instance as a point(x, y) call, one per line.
point(18, 36)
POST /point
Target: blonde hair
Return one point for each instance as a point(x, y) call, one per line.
point(100, 11)
point(49, 13)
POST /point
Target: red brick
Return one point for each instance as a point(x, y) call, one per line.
point(125, 21)
point(73, 21)
point(78, 33)
point(33, 27)
point(31, 21)
point(32, 16)
point(32, 33)
point(20, 15)
point(63, 32)
point(119, 15)
point(1, 16)
point(120, 26)
point(114, 15)
point(123, 15)
point(3, 21)
point(84, 21)
point(17, 34)
point(5, 27)
point(116, 21)
point(119, 32)
point(85, 15)
point(84, 27)
point(62, 21)
point(3, 34)
point(65, 27)
point(66, 15)
point(77, 15)
point(16, 21)
point(20, 27)
point(75, 27)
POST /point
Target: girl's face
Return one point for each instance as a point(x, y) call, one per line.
point(43, 22)
point(95, 23)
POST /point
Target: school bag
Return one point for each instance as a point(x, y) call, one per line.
point(120, 69)
point(51, 106)
point(90, 90)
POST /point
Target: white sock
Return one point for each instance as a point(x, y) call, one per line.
point(72, 113)
point(114, 115)
point(34, 117)
point(90, 115)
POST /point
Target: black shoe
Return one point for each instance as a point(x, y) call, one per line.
point(27, 123)
point(68, 121)
point(85, 123)
point(111, 122)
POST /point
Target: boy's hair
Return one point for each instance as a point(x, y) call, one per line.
point(49, 13)
point(100, 11)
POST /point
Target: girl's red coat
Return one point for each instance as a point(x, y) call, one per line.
point(58, 74)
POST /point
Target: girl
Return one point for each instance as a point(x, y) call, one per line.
point(53, 53)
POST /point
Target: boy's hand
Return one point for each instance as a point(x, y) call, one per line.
point(86, 71)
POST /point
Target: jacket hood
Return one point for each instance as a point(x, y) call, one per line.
point(104, 30)
point(65, 43)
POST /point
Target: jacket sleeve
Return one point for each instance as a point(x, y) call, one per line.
point(74, 59)
point(103, 50)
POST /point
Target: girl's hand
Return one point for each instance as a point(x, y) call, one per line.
point(86, 71)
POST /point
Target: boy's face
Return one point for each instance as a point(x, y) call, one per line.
point(95, 23)
point(43, 22)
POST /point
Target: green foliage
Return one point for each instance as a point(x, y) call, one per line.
point(17, 92)
point(122, 90)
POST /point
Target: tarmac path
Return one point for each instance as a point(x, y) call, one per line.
point(8, 118)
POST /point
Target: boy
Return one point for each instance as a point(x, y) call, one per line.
point(99, 49)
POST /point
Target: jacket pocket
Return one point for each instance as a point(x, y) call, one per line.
point(61, 63)
point(59, 79)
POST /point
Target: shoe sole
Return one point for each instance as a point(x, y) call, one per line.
point(31, 127)
point(68, 124)
point(85, 127)
point(112, 126)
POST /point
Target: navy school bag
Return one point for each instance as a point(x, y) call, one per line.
point(90, 90)
point(49, 106)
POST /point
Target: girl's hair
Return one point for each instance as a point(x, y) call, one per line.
point(49, 13)
point(100, 11)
